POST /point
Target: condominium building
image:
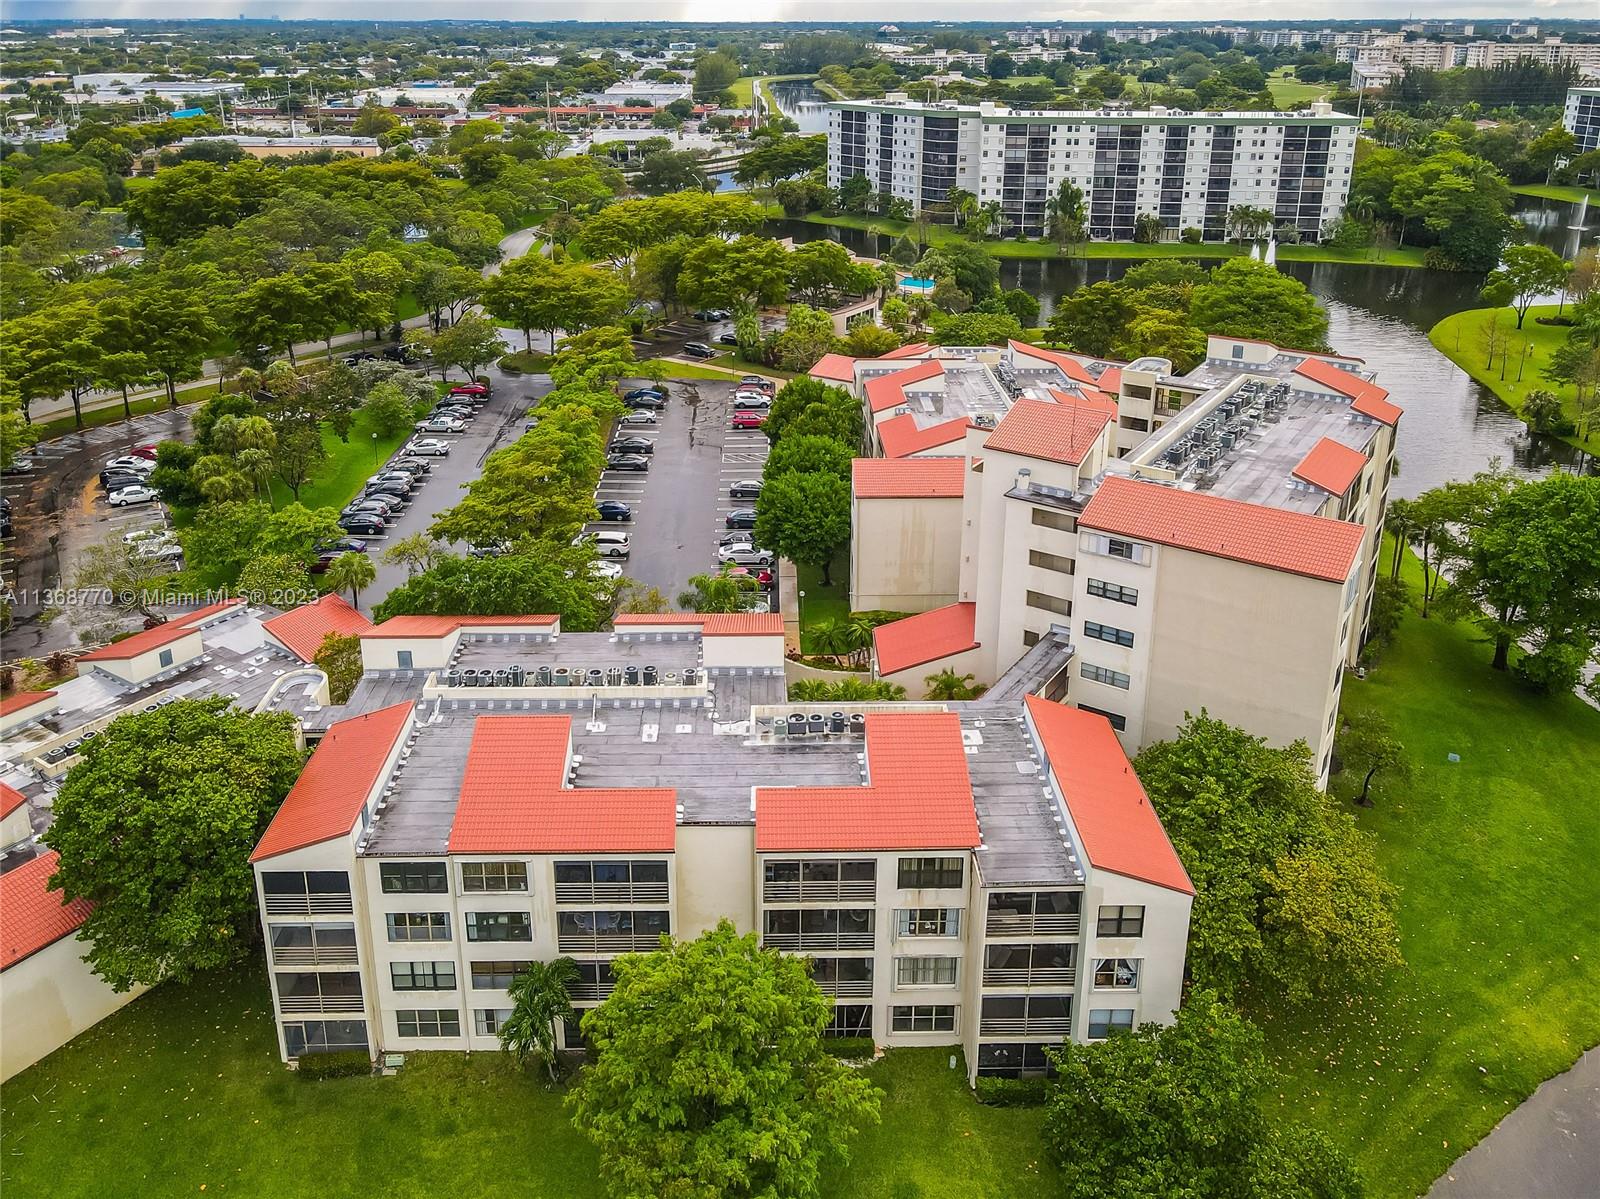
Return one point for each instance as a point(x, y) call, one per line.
point(1581, 118)
point(986, 874)
point(1188, 169)
point(1164, 525)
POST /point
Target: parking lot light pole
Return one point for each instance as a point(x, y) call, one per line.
point(374, 449)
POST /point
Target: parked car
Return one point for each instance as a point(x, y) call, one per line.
point(751, 401)
point(135, 536)
point(756, 382)
point(396, 499)
point(698, 349)
point(470, 389)
point(403, 478)
point(345, 545)
point(741, 518)
point(659, 392)
point(762, 577)
point(148, 450)
point(359, 357)
point(744, 555)
point(749, 418)
point(633, 445)
point(605, 570)
point(727, 339)
point(493, 550)
point(115, 480)
point(608, 543)
point(441, 424)
point(131, 462)
point(420, 467)
point(734, 537)
point(368, 524)
point(158, 551)
point(744, 489)
point(21, 466)
point(653, 402)
point(614, 510)
point(641, 417)
point(712, 314)
point(371, 503)
point(458, 412)
point(135, 493)
point(431, 447)
point(627, 462)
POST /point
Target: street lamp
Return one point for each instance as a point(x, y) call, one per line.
point(374, 449)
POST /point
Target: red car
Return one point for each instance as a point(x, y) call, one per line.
point(470, 389)
point(144, 451)
point(749, 419)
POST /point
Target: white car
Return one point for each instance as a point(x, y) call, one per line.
point(606, 570)
point(140, 535)
point(744, 555)
point(133, 495)
point(441, 424)
point(430, 447)
point(158, 551)
point(640, 416)
point(131, 462)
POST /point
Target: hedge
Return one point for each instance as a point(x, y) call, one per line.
point(1012, 1092)
point(848, 1047)
point(342, 1063)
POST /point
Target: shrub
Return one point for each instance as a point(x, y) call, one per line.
point(848, 1047)
point(1191, 236)
point(341, 1063)
point(1013, 1092)
point(1561, 322)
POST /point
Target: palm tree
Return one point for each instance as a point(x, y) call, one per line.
point(257, 466)
point(832, 637)
point(352, 571)
point(1400, 522)
point(859, 627)
point(540, 996)
point(949, 685)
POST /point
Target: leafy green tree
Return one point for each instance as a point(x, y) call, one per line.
point(178, 329)
point(670, 171)
point(549, 577)
point(809, 455)
point(1162, 333)
point(298, 454)
point(532, 292)
point(275, 312)
point(1147, 228)
point(976, 329)
point(714, 74)
point(1178, 1110)
point(807, 335)
point(472, 342)
point(746, 272)
point(1245, 298)
point(1066, 215)
point(115, 568)
point(1288, 898)
point(1091, 319)
point(1526, 273)
point(972, 267)
point(798, 397)
point(866, 340)
point(416, 553)
point(389, 411)
point(540, 1000)
point(155, 827)
point(277, 579)
point(339, 657)
point(351, 572)
point(948, 685)
point(709, 1077)
point(721, 592)
point(1542, 410)
point(1367, 743)
point(806, 518)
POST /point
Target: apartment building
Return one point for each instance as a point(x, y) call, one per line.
point(989, 874)
point(1162, 524)
point(1188, 169)
point(1581, 117)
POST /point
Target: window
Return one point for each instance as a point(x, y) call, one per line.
point(928, 922)
point(1046, 519)
point(1106, 632)
point(1117, 548)
point(923, 1018)
point(850, 1020)
point(496, 975)
point(423, 976)
point(1117, 974)
point(1030, 638)
point(165, 657)
point(428, 1022)
point(1099, 674)
point(930, 872)
point(499, 926)
point(494, 876)
point(925, 972)
point(1013, 1060)
point(1049, 603)
point(1105, 1021)
point(1113, 591)
point(1120, 723)
point(322, 1036)
point(486, 1021)
point(419, 926)
point(1124, 921)
point(1056, 562)
point(413, 877)
point(402, 659)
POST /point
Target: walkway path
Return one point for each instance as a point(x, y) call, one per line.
point(1548, 1148)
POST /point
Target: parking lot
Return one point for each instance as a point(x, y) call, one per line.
point(681, 503)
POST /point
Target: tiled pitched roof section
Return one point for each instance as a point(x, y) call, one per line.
point(1207, 524)
point(328, 796)
point(1063, 431)
point(919, 795)
point(925, 637)
point(915, 350)
point(10, 799)
point(834, 368)
point(888, 391)
point(35, 917)
point(727, 624)
point(1069, 366)
point(23, 699)
point(1366, 398)
point(908, 478)
point(1116, 822)
point(900, 437)
point(163, 634)
point(302, 629)
point(514, 798)
point(442, 626)
point(1331, 465)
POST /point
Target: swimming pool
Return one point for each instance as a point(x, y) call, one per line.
point(920, 286)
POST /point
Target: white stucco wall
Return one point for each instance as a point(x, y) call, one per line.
point(905, 554)
point(47, 999)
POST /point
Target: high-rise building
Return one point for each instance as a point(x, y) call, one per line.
point(1582, 117)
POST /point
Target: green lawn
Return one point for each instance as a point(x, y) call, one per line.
point(182, 1093)
point(1289, 92)
point(348, 465)
point(1557, 191)
point(1461, 338)
point(686, 370)
point(822, 603)
point(1499, 916)
point(744, 92)
point(112, 413)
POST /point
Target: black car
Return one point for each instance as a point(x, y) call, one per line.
point(366, 523)
point(627, 462)
point(745, 489)
point(727, 339)
point(387, 493)
point(653, 402)
point(418, 467)
point(345, 545)
point(712, 314)
point(362, 356)
point(633, 445)
point(741, 518)
point(113, 480)
point(614, 510)
point(698, 349)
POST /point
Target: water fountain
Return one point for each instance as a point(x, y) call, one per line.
point(1272, 253)
point(1583, 211)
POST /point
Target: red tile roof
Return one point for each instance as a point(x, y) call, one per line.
point(1110, 380)
point(1331, 465)
point(302, 629)
point(919, 795)
point(839, 368)
point(888, 391)
point(907, 478)
point(328, 796)
point(727, 624)
point(35, 917)
point(900, 437)
point(1207, 524)
point(443, 626)
point(1366, 398)
point(163, 634)
point(1116, 823)
point(1069, 366)
point(23, 699)
point(915, 350)
point(1063, 431)
point(10, 799)
point(514, 798)
point(925, 637)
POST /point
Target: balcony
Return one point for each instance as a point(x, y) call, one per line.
point(316, 904)
point(611, 893)
point(820, 891)
point(327, 955)
point(1052, 923)
point(581, 992)
point(816, 942)
point(608, 942)
point(1022, 1026)
point(850, 988)
point(1062, 976)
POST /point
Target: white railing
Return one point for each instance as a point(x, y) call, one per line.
point(295, 955)
point(848, 988)
point(819, 892)
point(1054, 975)
point(814, 942)
point(1047, 923)
point(1021, 1026)
point(320, 1003)
point(611, 893)
point(608, 942)
point(309, 905)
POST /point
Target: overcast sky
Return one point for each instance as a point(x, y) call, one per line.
point(795, 10)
